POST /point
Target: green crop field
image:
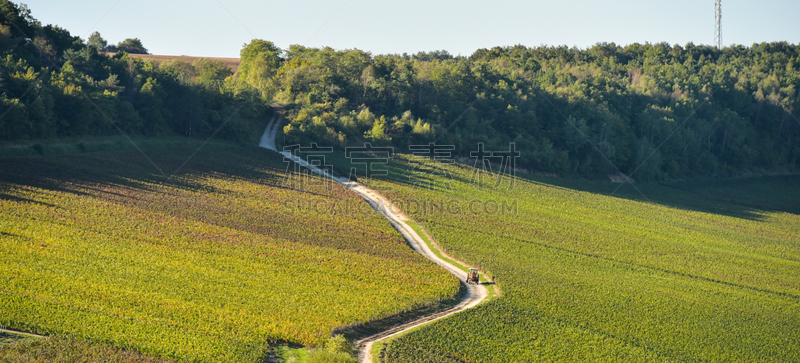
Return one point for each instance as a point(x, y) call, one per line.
point(651, 273)
point(230, 255)
point(65, 349)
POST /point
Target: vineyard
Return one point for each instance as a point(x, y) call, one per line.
point(63, 349)
point(591, 273)
point(216, 263)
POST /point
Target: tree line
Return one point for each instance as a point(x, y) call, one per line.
point(651, 111)
point(53, 84)
point(130, 45)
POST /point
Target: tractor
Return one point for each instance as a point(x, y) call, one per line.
point(472, 276)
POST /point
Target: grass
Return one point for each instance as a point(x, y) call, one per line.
point(460, 265)
point(378, 347)
point(66, 349)
point(7, 337)
point(217, 263)
point(291, 354)
point(377, 326)
point(376, 351)
point(592, 273)
point(415, 226)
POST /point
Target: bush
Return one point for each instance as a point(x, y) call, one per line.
point(337, 350)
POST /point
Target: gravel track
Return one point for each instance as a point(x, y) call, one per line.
point(475, 293)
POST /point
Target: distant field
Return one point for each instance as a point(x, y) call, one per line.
point(215, 264)
point(658, 274)
point(233, 63)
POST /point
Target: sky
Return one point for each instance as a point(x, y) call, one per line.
point(220, 28)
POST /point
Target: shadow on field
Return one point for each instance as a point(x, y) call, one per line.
point(424, 175)
point(745, 198)
point(780, 193)
point(87, 173)
point(14, 198)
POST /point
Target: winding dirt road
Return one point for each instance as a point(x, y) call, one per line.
point(475, 293)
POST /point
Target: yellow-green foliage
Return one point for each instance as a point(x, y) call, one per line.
point(212, 265)
point(336, 350)
point(591, 277)
point(65, 349)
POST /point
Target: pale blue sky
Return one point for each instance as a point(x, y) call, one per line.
point(220, 27)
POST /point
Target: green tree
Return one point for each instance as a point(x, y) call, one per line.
point(259, 62)
point(211, 74)
point(150, 104)
point(96, 41)
point(132, 45)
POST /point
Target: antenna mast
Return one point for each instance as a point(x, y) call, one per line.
point(718, 23)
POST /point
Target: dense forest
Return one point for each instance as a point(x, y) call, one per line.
point(651, 111)
point(54, 84)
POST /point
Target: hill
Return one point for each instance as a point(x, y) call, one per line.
point(229, 255)
point(598, 271)
point(649, 111)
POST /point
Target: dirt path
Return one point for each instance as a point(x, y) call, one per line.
point(268, 138)
point(475, 293)
point(31, 335)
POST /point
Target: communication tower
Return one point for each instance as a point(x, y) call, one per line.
point(718, 23)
